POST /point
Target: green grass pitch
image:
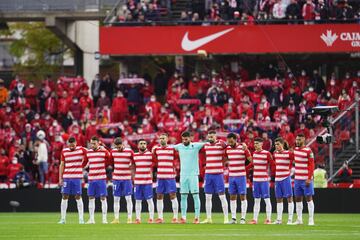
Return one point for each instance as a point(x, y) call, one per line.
point(44, 226)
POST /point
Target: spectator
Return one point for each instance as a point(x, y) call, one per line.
point(13, 168)
point(95, 88)
point(119, 108)
point(308, 12)
point(4, 162)
point(320, 177)
point(107, 85)
point(3, 92)
point(293, 12)
point(279, 11)
point(21, 178)
point(344, 174)
point(322, 12)
point(42, 156)
point(103, 101)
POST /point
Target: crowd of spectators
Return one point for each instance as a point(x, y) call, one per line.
point(243, 11)
point(275, 103)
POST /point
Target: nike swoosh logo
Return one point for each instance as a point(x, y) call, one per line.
point(189, 45)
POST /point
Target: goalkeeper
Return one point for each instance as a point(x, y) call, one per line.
point(189, 174)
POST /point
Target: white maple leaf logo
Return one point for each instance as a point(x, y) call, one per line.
point(329, 38)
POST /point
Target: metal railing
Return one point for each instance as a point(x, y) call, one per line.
point(342, 122)
point(55, 5)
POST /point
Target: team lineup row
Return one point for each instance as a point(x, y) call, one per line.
point(130, 167)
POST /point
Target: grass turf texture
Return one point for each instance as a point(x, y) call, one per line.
point(44, 226)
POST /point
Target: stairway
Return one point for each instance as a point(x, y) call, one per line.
point(347, 152)
point(179, 6)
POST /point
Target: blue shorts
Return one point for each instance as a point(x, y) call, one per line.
point(261, 189)
point(143, 191)
point(71, 187)
point(283, 188)
point(166, 186)
point(237, 185)
point(214, 183)
point(122, 188)
point(97, 188)
point(300, 188)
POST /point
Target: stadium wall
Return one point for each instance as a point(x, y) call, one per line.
point(334, 200)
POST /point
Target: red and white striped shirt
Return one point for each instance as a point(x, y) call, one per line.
point(122, 163)
point(304, 163)
point(237, 158)
point(73, 160)
point(214, 154)
point(98, 160)
point(283, 163)
point(261, 161)
point(143, 167)
point(165, 159)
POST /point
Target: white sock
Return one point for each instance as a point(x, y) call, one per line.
point(224, 205)
point(311, 209)
point(208, 205)
point(104, 208)
point(299, 209)
point(116, 207)
point(151, 208)
point(129, 206)
point(175, 207)
point(160, 207)
point(268, 208)
point(138, 209)
point(244, 206)
point(63, 207)
point(233, 206)
point(80, 207)
point(256, 208)
point(291, 211)
point(92, 209)
point(279, 210)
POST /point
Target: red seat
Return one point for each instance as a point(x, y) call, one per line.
point(344, 135)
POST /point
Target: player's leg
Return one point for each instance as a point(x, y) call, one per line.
point(102, 194)
point(309, 192)
point(160, 190)
point(148, 195)
point(265, 194)
point(63, 207)
point(244, 203)
point(220, 189)
point(299, 193)
point(79, 202)
point(209, 189)
point(194, 189)
point(233, 198)
point(127, 192)
point(171, 189)
point(65, 191)
point(184, 191)
point(116, 194)
point(91, 194)
point(279, 201)
point(289, 196)
point(257, 199)
point(138, 202)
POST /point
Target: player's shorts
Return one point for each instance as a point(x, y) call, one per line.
point(283, 188)
point(166, 186)
point(300, 188)
point(189, 184)
point(261, 189)
point(122, 188)
point(71, 187)
point(97, 188)
point(237, 185)
point(214, 183)
point(143, 191)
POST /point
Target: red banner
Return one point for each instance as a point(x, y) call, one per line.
point(164, 40)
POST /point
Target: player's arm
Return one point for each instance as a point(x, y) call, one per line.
point(61, 169)
point(310, 168)
point(85, 159)
point(132, 165)
point(272, 163)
